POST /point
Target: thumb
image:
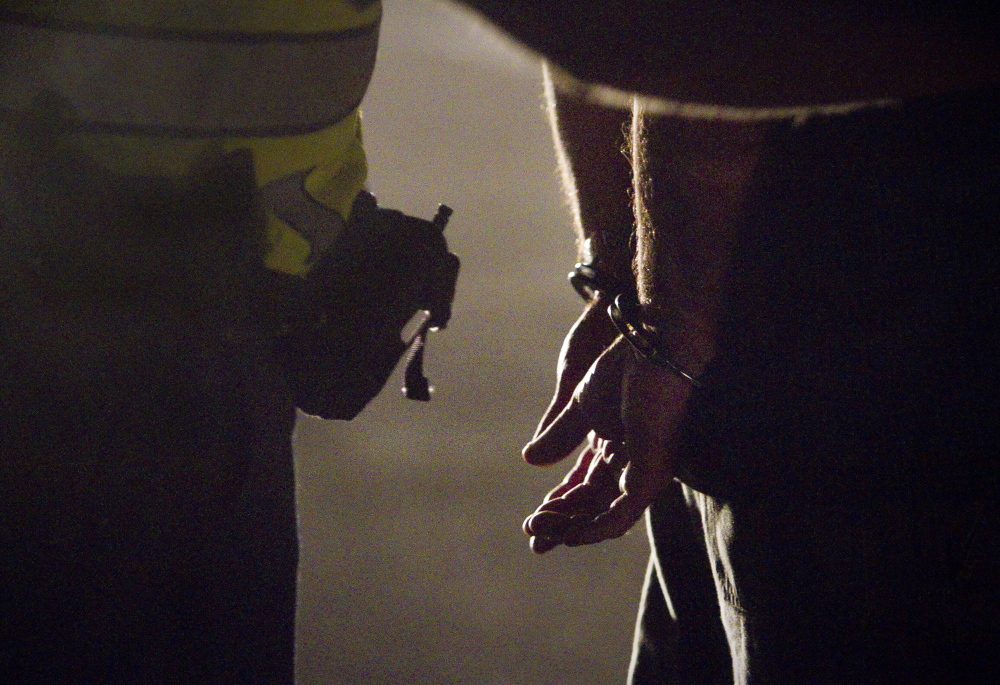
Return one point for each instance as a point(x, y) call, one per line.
point(594, 405)
point(561, 437)
point(590, 335)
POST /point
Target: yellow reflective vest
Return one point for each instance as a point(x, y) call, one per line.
point(152, 85)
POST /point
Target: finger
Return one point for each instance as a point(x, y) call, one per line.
point(595, 450)
point(637, 492)
point(613, 452)
point(553, 499)
point(590, 335)
point(548, 524)
point(579, 506)
point(541, 545)
point(600, 487)
point(578, 473)
point(567, 378)
point(594, 405)
point(648, 449)
point(567, 374)
point(560, 438)
point(585, 500)
point(561, 505)
point(613, 523)
point(602, 470)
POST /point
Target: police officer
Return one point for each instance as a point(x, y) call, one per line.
point(188, 254)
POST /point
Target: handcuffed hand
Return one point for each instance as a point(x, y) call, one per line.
point(589, 335)
point(629, 411)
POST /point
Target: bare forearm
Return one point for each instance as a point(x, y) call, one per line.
point(597, 179)
point(692, 179)
point(689, 180)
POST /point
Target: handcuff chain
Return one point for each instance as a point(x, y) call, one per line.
point(627, 318)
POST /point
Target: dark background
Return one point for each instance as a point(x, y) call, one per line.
point(414, 567)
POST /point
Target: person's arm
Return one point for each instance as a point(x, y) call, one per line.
point(590, 146)
point(691, 183)
point(596, 171)
point(590, 143)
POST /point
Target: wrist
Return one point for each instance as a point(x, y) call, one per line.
point(616, 263)
point(662, 342)
point(690, 338)
point(595, 284)
point(652, 341)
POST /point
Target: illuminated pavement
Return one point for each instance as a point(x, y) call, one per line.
point(414, 568)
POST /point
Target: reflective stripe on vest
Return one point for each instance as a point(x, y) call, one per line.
point(288, 198)
point(186, 83)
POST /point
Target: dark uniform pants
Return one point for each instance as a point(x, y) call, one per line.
point(147, 519)
point(841, 467)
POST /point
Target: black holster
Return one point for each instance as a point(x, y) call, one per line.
point(339, 330)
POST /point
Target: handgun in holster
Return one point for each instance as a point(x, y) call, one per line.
point(339, 338)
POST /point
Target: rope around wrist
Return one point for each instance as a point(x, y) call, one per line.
point(626, 314)
point(587, 280)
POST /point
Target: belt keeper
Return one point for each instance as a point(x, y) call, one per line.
point(627, 317)
point(587, 280)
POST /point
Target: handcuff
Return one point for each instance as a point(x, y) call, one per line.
point(587, 280)
point(626, 315)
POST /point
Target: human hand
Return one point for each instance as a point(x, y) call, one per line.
point(589, 335)
point(629, 411)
